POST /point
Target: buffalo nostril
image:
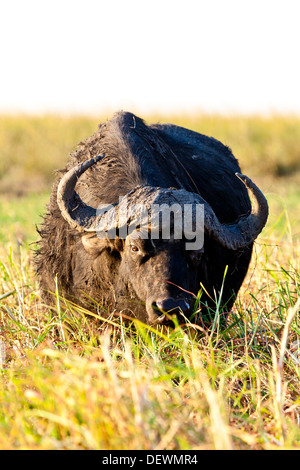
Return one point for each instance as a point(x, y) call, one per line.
point(173, 305)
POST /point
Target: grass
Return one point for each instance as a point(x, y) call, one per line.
point(70, 381)
point(32, 147)
point(19, 217)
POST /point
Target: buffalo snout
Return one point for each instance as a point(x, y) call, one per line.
point(163, 309)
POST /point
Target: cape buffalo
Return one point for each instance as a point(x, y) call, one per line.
point(148, 277)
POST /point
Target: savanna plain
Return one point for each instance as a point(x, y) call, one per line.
point(70, 381)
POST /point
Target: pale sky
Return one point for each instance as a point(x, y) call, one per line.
point(91, 56)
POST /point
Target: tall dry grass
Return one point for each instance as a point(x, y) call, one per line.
point(70, 381)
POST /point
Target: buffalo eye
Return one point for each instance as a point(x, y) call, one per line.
point(196, 255)
point(134, 249)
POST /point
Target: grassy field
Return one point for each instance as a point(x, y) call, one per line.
point(70, 381)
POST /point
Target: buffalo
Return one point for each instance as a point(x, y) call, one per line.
point(92, 253)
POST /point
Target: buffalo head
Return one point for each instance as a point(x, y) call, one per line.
point(158, 274)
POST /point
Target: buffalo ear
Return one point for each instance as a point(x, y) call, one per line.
point(94, 245)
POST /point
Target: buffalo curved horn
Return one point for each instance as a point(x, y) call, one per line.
point(232, 236)
point(243, 232)
point(78, 215)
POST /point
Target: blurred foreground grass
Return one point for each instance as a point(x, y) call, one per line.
point(70, 381)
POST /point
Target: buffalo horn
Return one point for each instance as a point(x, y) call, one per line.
point(232, 236)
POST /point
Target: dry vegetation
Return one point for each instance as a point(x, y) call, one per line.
point(70, 381)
